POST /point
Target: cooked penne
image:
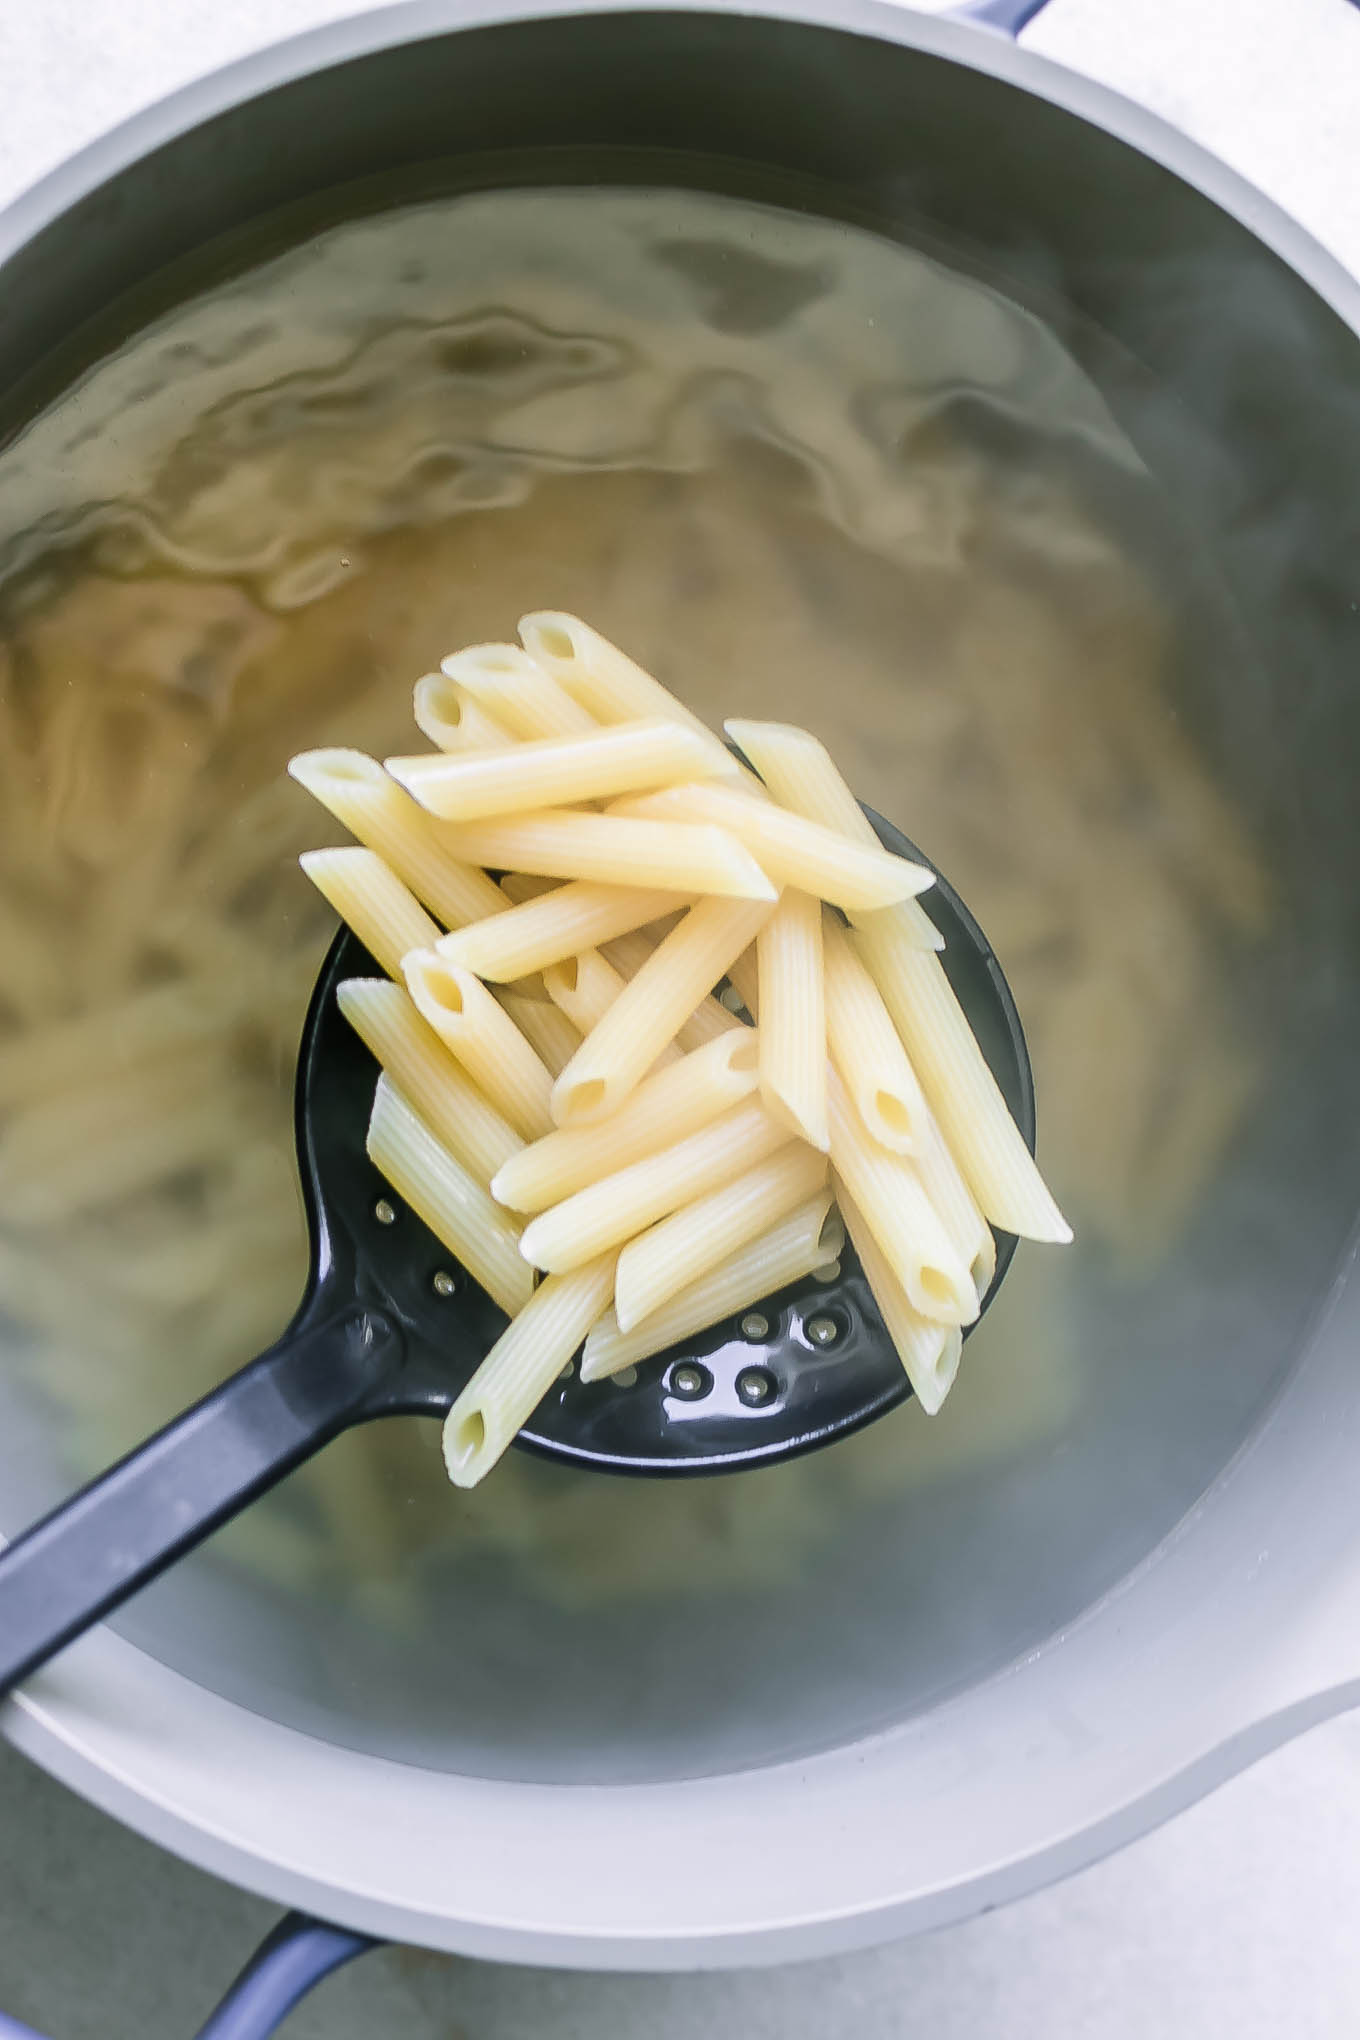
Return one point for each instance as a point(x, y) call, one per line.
point(804, 1241)
point(371, 899)
point(517, 692)
point(454, 719)
point(803, 777)
point(652, 1007)
point(521, 1367)
point(665, 1108)
point(613, 687)
point(567, 843)
point(942, 1180)
point(483, 1037)
point(701, 1235)
point(373, 807)
point(889, 1192)
point(585, 987)
point(793, 850)
point(929, 1351)
point(385, 1018)
point(545, 1027)
point(452, 1203)
point(554, 772)
point(793, 1035)
point(617, 1206)
point(962, 1092)
point(556, 924)
point(628, 954)
point(868, 1052)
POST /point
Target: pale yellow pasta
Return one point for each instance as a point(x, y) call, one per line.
point(450, 1200)
point(613, 687)
point(373, 807)
point(484, 1038)
point(555, 771)
point(803, 777)
point(517, 692)
point(569, 843)
point(664, 1108)
point(700, 1236)
point(455, 720)
point(868, 1052)
point(963, 1094)
point(617, 1206)
point(793, 1037)
point(806, 1240)
point(906, 1225)
point(555, 924)
point(652, 1007)
point(929, 1351)
point(521, 1367)
point(943, 1182)
point(793, 850)
point(369, 897)
point(628, 953)
point(545, 1027)
point(385, 1018)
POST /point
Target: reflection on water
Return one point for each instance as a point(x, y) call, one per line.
point(803, 473)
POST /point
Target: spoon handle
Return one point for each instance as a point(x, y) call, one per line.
point(93, 1551)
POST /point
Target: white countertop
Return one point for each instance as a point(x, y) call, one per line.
point(1243, 1917)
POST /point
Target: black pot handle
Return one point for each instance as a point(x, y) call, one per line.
point(92, 1552)
point(1009, 16)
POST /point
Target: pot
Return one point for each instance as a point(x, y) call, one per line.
point(878, 1700)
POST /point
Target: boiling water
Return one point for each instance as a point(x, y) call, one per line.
point(802, 472)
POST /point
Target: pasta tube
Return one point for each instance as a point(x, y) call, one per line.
point(371, 899)
point(545, 1027)
point(665, 1108)
point(521, 1367)
point(452, 1203)
point(793, 1034)
point(385, 1018)
point(652, 1007)
point(613, 687)
point(700, 1236)
point(454, 719)
point(555, 772)
point(868, 1052)
point(560, 923)
point(565, 843)
point(929, 1351)
point(507, 683)
point(617, 1206)
point(806, 1240)
point(484, 1038)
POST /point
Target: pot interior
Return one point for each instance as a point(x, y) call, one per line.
point(829, 401)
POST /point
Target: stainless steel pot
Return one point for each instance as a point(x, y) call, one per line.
point(1166, 1582)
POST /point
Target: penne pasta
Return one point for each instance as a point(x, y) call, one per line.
point(520, 695)
point(701, 1235)
point(450, 1201)
point(556, 924)
point(373, 807)
point(803, 777)
point(628, 954)
point(371, 899)
point(521, 1367)
point(804, 1241)
point(793, 850)
point(454, 719)
point(972, 1114)
point(890, 1194)
point(665, 1108)
point(585, 987)
point(867, 1050)
point(943, 1183)
point(554, 772)
point(929, 1351)
point(617, 1206)
point(566, 843)
point(386, 1019)
point(793, 1035)
point(613, 687)
point(545, 1027)
point(652, 1007)
point(484, 1039)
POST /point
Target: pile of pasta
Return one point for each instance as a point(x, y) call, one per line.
point(618, 1155)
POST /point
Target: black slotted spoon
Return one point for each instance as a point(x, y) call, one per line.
point(389, 1326)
